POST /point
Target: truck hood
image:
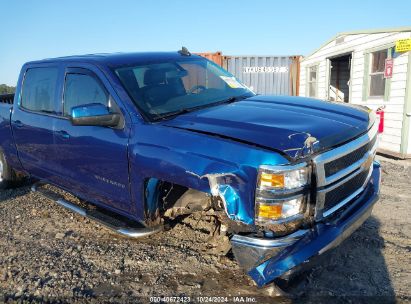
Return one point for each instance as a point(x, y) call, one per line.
point(293, 126)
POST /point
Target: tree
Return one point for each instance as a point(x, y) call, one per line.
point(5, 89)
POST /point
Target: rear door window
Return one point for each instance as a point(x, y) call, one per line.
point(82, 89)
point(39, 90)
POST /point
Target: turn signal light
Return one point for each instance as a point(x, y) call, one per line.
point(272, 180)
point(269, 211)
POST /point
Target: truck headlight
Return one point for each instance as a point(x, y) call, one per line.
point(269, 210)
point(273, 178)
point(282, 192)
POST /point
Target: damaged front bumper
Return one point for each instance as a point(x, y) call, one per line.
point(266, 259)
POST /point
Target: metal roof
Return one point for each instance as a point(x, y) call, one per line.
point(372, 31)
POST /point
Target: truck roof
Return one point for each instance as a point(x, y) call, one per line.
point(117, 59)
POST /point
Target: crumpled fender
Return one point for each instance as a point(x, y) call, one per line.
point(220, 167)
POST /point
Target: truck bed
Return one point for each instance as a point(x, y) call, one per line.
point(6, 99)
point(6, 103)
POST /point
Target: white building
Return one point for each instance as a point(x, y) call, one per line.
point(354, 67)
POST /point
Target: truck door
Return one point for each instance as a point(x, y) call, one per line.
point(92, 160)
point(33, 119)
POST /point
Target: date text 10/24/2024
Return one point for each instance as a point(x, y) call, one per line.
point(203, 299)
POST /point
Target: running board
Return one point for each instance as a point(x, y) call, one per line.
point(114, 222)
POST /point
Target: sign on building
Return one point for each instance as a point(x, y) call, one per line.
point(403, 45)
point(389, 64)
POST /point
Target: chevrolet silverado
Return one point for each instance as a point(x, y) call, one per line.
point(149, 137)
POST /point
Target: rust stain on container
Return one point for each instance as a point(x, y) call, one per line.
point(216, 57)
point(295, 76)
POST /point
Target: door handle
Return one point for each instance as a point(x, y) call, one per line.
point(18, 124)
point(62, 134)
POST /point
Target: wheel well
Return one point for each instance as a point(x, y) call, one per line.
point(166, 199)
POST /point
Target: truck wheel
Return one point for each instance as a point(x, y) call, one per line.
point(6, 173)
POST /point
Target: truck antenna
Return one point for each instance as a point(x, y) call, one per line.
point(184, 51)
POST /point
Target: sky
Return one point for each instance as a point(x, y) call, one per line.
point(32, 30)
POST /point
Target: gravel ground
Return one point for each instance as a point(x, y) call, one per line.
point(50, 254)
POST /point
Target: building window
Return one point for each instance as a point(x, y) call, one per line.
point(312, 81)
point(377, 80)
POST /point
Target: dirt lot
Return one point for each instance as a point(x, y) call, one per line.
point(49, 254)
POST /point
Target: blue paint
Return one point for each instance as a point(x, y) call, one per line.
point(217, 150)
point(279, 123)
point(183, 157)
point(151, 196)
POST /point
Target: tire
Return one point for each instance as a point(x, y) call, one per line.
point(7, 176)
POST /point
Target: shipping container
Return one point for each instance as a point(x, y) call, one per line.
point(217, 57)
point(268, 75)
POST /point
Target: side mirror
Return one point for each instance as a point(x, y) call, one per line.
point(94, 114)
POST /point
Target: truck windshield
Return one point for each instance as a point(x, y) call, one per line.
point(163, 90)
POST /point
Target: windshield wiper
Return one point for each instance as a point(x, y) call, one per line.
point(231, 99)
point(172, 114)
point(188, 110)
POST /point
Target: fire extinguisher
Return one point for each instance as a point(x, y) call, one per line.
point(380, 114)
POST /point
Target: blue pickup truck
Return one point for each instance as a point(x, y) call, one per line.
point(149, 137)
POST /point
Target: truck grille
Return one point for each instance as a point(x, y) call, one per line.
point(337, 165)
point(342, 173)
point(334, 197)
